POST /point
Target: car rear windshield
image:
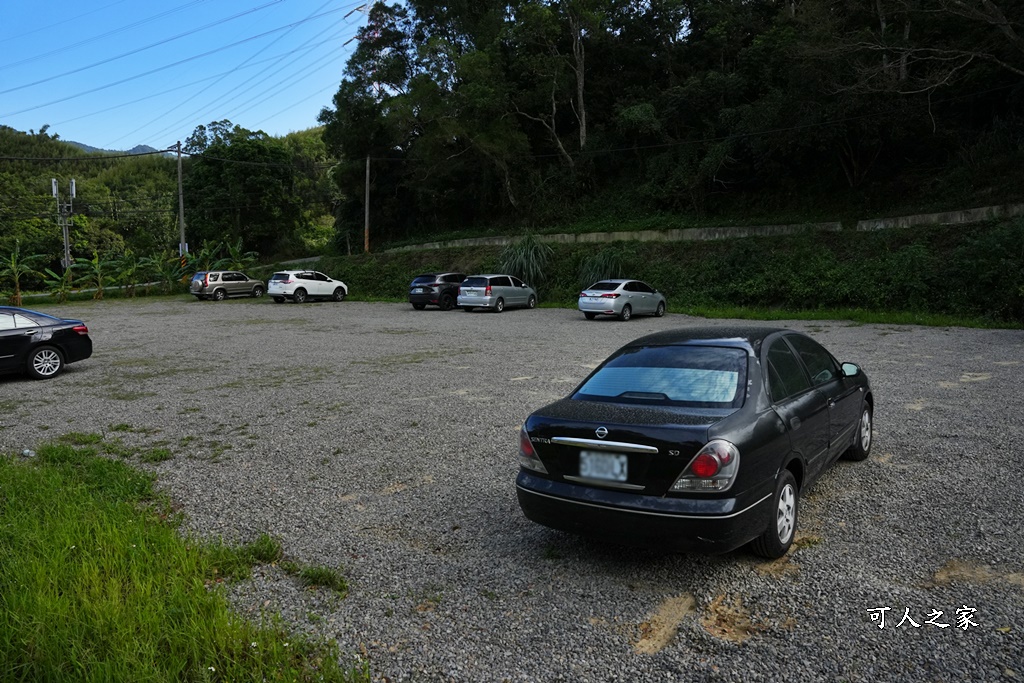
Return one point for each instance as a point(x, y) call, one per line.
point(688, 376)
point(423, 280)
point(475, 282)
point(605, 286)
point(280, 276)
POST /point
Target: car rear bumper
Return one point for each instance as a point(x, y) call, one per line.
point(76, 348)
point(477, 301)
point(602, 307)
point(424, 298)
point(711, 525)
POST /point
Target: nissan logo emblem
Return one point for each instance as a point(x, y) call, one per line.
point(601, 432)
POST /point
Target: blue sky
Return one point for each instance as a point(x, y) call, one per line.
point(115, 74)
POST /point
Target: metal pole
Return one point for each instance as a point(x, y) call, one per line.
point(366, 210)
point(182, 245)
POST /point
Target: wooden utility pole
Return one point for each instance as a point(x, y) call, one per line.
point(366, 209)
point(182, 245)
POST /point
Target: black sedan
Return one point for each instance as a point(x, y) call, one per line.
point(695, 439)
point(40, 344)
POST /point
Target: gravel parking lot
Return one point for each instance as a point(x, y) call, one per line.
point(382, 440)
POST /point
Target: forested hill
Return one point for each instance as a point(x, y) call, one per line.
point(529, 112)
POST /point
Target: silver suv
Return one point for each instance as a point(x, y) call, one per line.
point(220, 284)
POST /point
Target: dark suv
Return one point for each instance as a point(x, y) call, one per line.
point(436, 289)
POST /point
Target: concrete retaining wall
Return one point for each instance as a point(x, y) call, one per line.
point(985, 213)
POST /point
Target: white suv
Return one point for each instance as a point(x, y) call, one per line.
point(303, 285)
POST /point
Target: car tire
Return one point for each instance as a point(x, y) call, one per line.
point(339, 294)
point(446, 303)
point(257, 292)
point(299, 296)
point(219, 295)
point(531, 302)
point(589, 316)
point(660, 311)
point(278, 299)
point(778, 537)
point(419, 307)
point(626, 313)
point(499, 305)
point(44, 362)
point(861, 447)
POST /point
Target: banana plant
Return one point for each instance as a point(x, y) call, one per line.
point(15, 267)
point(166, 268)
point(97, 273)
point(60, 286)
point(238, 259)
point(128, 269)
point(207, 258)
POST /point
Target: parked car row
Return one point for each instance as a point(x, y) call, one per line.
point(616, 297)
point(286, 285)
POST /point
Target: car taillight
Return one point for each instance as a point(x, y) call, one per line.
point(714, 468)
point(487, 292)
point(528, 457)
point(613, 295)
point(206, 281)
point(80, 329)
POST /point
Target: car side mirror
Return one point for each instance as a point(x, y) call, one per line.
point(850, 370)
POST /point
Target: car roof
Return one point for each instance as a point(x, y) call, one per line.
point(492, 275)
point(618, 280)
point(749, 336)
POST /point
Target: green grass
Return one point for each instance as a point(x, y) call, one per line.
point(97, 583)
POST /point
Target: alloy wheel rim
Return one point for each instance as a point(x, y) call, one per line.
point(786, 516)
point(865, 431)
point(46, 362)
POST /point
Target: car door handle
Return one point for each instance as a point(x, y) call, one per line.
point(795, 423)
point(29, 333)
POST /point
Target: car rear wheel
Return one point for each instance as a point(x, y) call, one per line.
point(219, 295)
point(627, 312)
point(447, 303)
point(589, 316)
point(339, 294)
point(278, 299)
point(862, 442)
point(300, 295)
point(778, 537)
point(44, 362)
point(257, 292)
point(660, 311)
point(499, 305)
point(419, 307)
point(531, 302)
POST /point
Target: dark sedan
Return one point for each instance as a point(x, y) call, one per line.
point(40, 344)
point(695, 439)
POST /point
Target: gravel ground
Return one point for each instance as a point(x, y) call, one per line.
point(382, 441)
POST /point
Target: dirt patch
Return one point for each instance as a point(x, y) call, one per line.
point(728, 620)
point(661, 627)
point(961, 571)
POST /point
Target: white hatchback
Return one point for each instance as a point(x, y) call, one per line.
point(304, 285)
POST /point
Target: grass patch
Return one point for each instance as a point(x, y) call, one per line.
point(154, 455)
point(97, 583)
point(80, 439)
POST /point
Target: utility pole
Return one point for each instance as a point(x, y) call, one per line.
point(64, 211)
point(366, 210)
point(182, 244)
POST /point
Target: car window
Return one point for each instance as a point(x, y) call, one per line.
point(6, 321)
point(644, 287)
point(819, 362)
point(22, 321)
point(629, 287)
point(321, 277)
point(199, 276)
point(423, 279)
point(214, 277)
point(233, 277)
point(785, 375)
point(475, 282)
point(516, 282)
point(280, 276)
point(501, 281)
point(692, 376)
point(604, 286)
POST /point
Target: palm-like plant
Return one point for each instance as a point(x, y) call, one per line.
point(128, 269)
point(207, 258)
point(60, 286)
point(165, 268)
point(97, 272)
point(15, 267)
point(238, 259)
point(526, 259)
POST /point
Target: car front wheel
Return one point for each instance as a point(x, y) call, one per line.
point(660, 310)
point(339, 294)
point(862, 442)
point(778, 537)
point(44, 362)
point(531, 302)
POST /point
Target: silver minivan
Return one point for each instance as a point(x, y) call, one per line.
point(495, 292)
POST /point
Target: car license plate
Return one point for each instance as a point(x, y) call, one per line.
point(609, 466)
point(419, 290)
